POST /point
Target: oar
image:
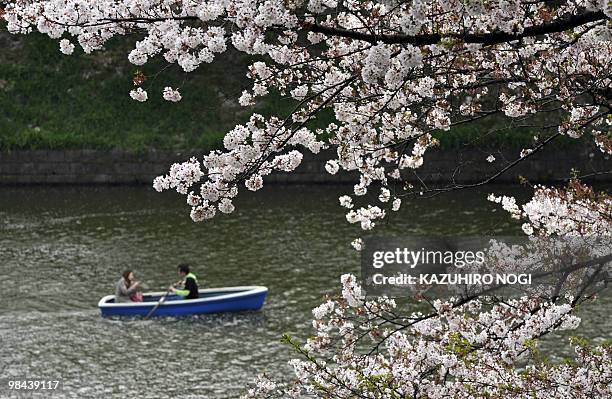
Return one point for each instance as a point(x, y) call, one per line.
point(161, 300)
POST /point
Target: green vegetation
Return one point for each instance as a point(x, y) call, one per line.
point(50, 100)
point(491, 133)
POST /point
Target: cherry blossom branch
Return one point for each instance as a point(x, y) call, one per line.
point(559, 25)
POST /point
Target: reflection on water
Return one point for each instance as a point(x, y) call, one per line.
point(62, 249)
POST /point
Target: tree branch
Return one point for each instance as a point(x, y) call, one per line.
point(496, 37)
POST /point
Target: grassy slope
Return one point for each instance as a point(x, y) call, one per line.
point(49, 100)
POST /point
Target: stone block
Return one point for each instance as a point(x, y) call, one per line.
point(56, 179)
point(98, 168)
point(348, 178)
point(27, 167)
point(6, 156)
point(10, 168)
point(297, 178)
point(102, 178)
point(276, 178)
point(311, 167)
point(323, 178)
point(146, 179)
point(72, 155)
point(9, 179)
point(117, 155)
point(56, 156)
point(57, 168)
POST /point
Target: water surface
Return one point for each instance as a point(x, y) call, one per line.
point(62, 249)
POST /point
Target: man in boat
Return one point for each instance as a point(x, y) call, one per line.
point(188, 287)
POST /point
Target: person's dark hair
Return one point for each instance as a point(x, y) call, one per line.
point(183, 268)
point(126, 277)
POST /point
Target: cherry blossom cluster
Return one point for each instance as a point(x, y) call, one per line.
point(574, 210)
point(391, 72)
point(477, 348)
point(472, 347)
point(251, 146)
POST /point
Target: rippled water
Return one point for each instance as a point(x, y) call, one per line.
point(61, 249)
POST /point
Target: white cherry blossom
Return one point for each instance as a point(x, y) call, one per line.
point(139, 94)
point(171, 94)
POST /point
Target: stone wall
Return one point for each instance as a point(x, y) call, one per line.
point(122, 167)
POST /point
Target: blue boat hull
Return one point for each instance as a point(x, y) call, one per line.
point(210, 301)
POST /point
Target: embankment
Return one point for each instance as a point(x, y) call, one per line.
point(124, 167)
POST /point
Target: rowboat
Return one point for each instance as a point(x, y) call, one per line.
point(211, 300)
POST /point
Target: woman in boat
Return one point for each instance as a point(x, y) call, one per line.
point(126, 289)
point(189, 284)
